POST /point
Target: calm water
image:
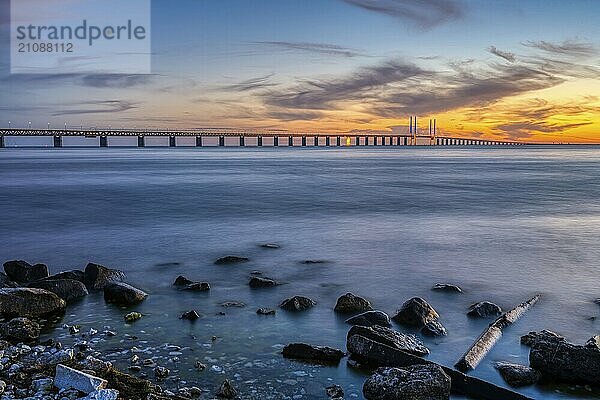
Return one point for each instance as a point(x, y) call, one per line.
point(503, 224)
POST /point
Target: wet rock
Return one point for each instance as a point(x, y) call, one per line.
point(197, 287)
point(122, 293)
point(297, 303)
point(350, 303)
point(226, 390)
point(75, 274)
point(231, 260)
point(42, 386)
point(191, 315)
point(129, 386)
point(29, 302)
point(161, 372)
point(261, 282)
point(317, 354)
point(265, 311)
point(446, 287)
point(95, 364)
point(97, 276)
point(5, 281)
point(518, 375)
point(132, 316)
point(335, 392)
point(370, 318)
point(560, 360)
point(416, 382)
point(20, 330)
point(401, 341)
point(182, 281)
point(228, 304)
point(102, 394)
point(415, 312)
point(314, 262)
point(434, 329)
point(66, 289)
point(69, 378)
point(484, 309)
point(270, 246)
point(22, 272)
point(532, 337)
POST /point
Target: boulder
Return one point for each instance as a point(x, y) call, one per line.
point(103, 394)
point(532, 337)
point(518, 375)
point(29, 302)
point(226, 390)
point(415, 312)
point(75, 274)
point(416, 382)
point(351, 304)
point(484, 309)
point(22, 272)
point(122, 293)
point(191, 315)
point(297, 303)
point(97, 276)
point(370, 318)
point(69, 378)
point(182, 281)
point(261, 282)
point(265, 311)
point(335, 392)
point(66, 289)
point(197, 287)
point(231, 260)
point(446, 287)
point(401, 341)
point(5, 281)
point(20, 330)
point(433, 329)
point(317, 354)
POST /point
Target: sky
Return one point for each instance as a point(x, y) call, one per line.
point(519, 70)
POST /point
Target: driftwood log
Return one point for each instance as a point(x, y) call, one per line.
point(471, 359)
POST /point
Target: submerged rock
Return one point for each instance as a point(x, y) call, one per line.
point(29, 302)
point(197, 287)
point(22, 272)
point(532, 337)
point(370, 318)
point(226, 390)
point(518, 375)
point(265, 311)
point(262, 282)
point(335, 392)
point(433, 329)
point(350, 303)
point(122, 293)
point(446, 287)
point(297, 303)
point(231, 260)
point(415, 312)
point(270, 246)
point(416, 382)
point(69, 378)
point(192, 315)
point(132, 316)
point(317, 354)
point(97, 276)
point(401, 341)
point(484, 309)
point(66, 289)
point(228, 304)
point(20, 330)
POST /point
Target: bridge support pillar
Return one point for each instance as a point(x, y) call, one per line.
point(141, 142)
point(275, 141)
point(103, 141)
point(290, 141)
point(338, 141)
point(198, 141)
point(172, 141)
point(221, 141)
point(304, 141)
point(315, 140)
point(327, 141)
point(242, 142)
point(58, 141)
point(1, 141)
point(259, 143)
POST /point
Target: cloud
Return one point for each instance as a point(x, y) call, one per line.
point(316, 48)
point(98, 107)
point(568, 48)
point(295, 115)
point(507, 55)
point(422, 13)
point(115, 80)
point(86, 80)
point(260, 82)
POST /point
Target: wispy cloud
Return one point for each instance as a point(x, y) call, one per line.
point(88, 80)
point(422, 13)
point(316, 48)
point(507, 55)
point(98, 107)
point(568, 47)
point(260, 82)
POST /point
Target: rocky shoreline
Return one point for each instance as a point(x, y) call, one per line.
point(396, 362)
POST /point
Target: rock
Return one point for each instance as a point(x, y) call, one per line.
point(433, 329)
point(161, 372)
point(484, 309)
point(226, 390)
point(197, 287)
point(335, 392)
point(75, 274)
point(446, 287)
point(129, 386)
point(69, 378)
point(182, 281)
point(518, 375)
point(42, 386)
point(66, 289)
point(416, 382)
point(20, 330)
point(228, 304)
point(122, 293)
point(532, 337)
point(401, 341)
point(297, 303)
point(370, 318)
point(29, 302)
point(560, 360)
point(349, 304)
point(318, 354)
point(95, 364)
point(231, 260)
point(22, 272)
point(415, 312)
point(102, 394)
point(191, 315)
point(132, 316)
point(5, 281)
point(261, 282)
point(270, 246)
point(314, 262)
point(97, 276)
point(265, 311)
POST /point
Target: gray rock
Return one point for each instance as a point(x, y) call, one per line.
point(335, 392)
point(100, 367)
point(122, 293)
point(226, 390)
point(262, 282)
point(266, 311)
point(231, 260)
point(22, 272)
point(66, 289)
point(197, 287)
point(191, 315)
point(29, 302)
point(69, 378)
point(97, 276)
point(297, 303)
point(417, 382)
point(433, 329)
point(20, 330)
point(42, 386)
point(401, 341)
point(103, 394)
point(484, 309)
point(370, 318)
point(532, 337)
point(415, 312)
point(350, 304)
point(518, 375)
point(308, 352)
point(446, 287)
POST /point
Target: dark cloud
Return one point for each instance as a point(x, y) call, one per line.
point(97, 107)
point(295, 115)
point(317, 48)
point(423, 13)
point(115, 80)
point(507, 55)
point(568, 48)
point(260, 82)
